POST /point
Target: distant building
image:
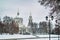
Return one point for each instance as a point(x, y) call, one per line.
point(30, 23)
point(18, 19)
point(34, 28)
point(43, 27)
point(10, 25)
point(19, 22)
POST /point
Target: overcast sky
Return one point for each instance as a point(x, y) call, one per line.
point(10, 8)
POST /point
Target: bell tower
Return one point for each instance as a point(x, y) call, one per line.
point(30, 20)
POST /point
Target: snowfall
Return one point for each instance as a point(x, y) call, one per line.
point(27, 37)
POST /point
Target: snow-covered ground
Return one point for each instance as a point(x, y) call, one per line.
point(27, 37)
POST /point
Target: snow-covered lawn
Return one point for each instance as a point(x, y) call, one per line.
point(28, 37)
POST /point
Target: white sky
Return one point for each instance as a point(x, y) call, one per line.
point(10, 8)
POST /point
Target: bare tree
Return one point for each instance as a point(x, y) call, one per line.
point(1, 27)
point(13, 28)
point(53, 4)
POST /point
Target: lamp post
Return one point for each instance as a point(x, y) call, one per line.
point(49, 24)
point(58, 28)
point(58, 32)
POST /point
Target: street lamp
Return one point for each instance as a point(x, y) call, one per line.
point(58, 28)
point(49, 24)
